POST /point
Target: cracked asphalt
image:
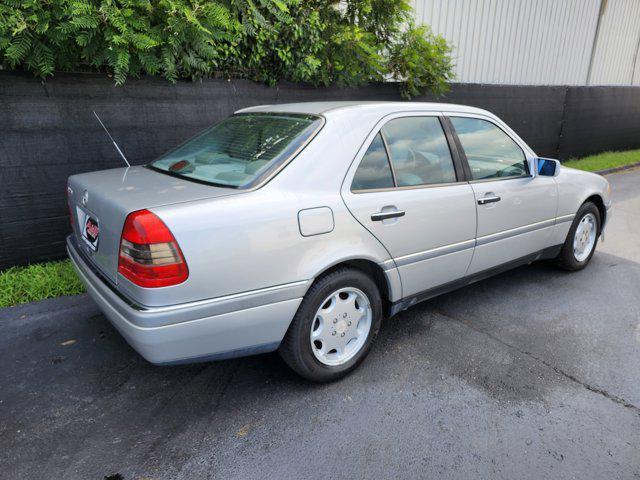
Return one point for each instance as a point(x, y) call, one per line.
point(533, 374)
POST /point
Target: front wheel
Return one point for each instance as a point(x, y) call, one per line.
point(334, 326)
point(582, 238)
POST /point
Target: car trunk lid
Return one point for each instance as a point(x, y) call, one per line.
point(99, 203)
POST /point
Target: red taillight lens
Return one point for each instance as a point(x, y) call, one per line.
point(149, 254)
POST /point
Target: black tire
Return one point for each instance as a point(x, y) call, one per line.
point(296, 349)
point(566, 259)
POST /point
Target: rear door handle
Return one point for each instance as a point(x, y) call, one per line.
point(378, 217)
point(489, 199)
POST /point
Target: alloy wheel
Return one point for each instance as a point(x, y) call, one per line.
point(341, 326)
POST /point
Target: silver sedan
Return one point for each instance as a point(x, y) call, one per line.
point(299, 227)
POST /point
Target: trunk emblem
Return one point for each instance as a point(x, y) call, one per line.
point(85, 198)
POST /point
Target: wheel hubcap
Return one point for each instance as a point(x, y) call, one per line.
point(341, 326)
point(585, 237)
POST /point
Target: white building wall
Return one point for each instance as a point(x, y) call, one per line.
point(539, 42)
point(617, 44)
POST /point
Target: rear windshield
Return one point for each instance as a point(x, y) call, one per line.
point(241, 150)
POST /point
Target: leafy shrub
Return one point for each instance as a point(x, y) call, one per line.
point(317, 41)
point(422, 60)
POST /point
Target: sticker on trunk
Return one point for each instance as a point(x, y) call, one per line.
point(90, 232)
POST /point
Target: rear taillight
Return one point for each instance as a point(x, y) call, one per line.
point(149, 254)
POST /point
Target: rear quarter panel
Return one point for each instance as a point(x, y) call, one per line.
point(251, 242)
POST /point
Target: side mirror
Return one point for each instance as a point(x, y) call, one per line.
point(547, 167)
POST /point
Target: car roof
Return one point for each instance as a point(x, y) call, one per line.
point(322, 108)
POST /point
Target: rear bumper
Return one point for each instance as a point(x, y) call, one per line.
point(200, 331)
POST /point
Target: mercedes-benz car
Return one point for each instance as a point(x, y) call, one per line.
point(300, 227)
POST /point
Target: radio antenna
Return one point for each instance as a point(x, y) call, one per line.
point(112, 140)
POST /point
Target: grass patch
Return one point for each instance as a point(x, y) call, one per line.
point(602, 161)
point(37, 282)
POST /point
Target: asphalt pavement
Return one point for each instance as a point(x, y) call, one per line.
point(532, 374)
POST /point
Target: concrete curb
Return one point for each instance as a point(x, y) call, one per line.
point(618, 169)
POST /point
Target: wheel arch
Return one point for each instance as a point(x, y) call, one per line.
point(387, 281)
point(598, 201)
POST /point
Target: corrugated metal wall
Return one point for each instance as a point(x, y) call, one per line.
point(617, 44)
point(539, 42)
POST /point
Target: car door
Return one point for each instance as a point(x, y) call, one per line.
point(408, 189)
point(516, 210)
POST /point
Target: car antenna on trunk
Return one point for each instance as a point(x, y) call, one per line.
point(112, 140)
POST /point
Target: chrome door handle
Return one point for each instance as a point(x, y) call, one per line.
point(490, 199)
point(378, 217)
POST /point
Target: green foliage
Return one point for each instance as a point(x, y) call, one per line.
point(322, 42)
point(38, 281)
point(421, 59)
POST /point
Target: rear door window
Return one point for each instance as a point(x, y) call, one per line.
point(490, 152)
point(419, 151)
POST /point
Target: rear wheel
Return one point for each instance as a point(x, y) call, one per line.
point(582, 238)
point(334, 326)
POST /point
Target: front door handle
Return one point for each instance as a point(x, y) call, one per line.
point(488, 199)
point(378, 217)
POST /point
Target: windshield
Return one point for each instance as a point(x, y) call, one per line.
point(241, 150)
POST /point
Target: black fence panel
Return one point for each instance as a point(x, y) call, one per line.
point(534, 113)
point(49, 132)
point(597, 119)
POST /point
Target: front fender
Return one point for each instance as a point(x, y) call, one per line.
point(576, 186)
